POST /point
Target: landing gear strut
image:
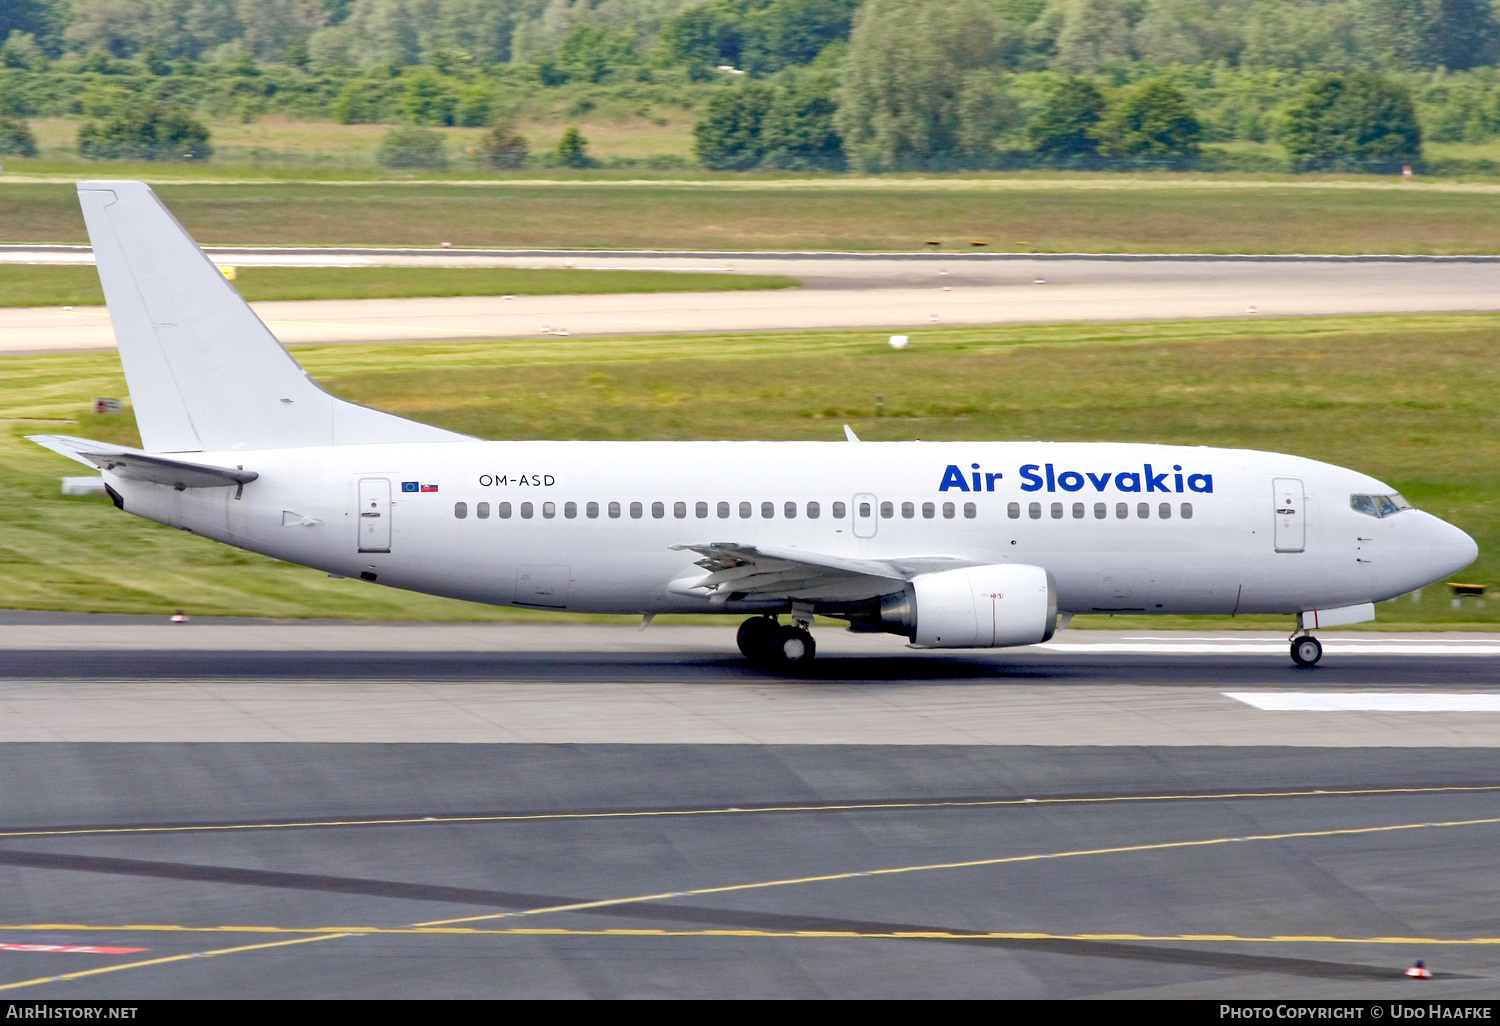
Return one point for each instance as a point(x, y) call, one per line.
point(1306, 650)
point(768, 643)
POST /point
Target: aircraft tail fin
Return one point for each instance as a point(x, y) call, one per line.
point(204, 372)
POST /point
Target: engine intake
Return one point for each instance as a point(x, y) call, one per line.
point(974, 607)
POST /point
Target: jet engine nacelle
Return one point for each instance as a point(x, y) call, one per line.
point(975, 607)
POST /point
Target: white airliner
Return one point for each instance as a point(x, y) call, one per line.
point(951, 544)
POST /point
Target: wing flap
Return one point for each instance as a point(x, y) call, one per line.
point(801, 574)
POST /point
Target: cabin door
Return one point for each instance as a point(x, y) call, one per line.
point(1291, 514)
point(374, 514)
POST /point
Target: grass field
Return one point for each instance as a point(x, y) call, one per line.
point(42, 285)
point(1097, 215)
point(1408, 399)
point(276, 142)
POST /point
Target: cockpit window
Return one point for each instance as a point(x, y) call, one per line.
point(1378, 505)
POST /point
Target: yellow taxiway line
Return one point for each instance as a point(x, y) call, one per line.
point(743, 810)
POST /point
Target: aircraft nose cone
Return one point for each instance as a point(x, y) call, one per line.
point(1452, 550)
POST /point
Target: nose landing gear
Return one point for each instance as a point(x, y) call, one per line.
point(765, 642)
point(1306, 650)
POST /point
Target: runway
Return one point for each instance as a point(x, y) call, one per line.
point(891, 292)
point(325, 810)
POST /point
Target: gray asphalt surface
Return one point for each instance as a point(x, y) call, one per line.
point(286, 843)
point(875, 291)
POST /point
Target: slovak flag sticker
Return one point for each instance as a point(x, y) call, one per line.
point(429, 488)
point(408, 486)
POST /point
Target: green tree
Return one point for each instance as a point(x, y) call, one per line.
point(359, 102)
point(787, 33)
point(592, 53)
point(33, 17)
point(502, 146)
point(572, 149)
point(21, 50)
point(1151, 121)
point(16, 138)
point(149, 131)
point(476, 105)
point(729, 135)
point(1065, 127)
point(1094, 34)
point(701, 38)
point(1419, 34)
point(1355, 122)
point(411, 146)
point(797, 132)
point(273, 28)
point(427, 99)
point(908, 65)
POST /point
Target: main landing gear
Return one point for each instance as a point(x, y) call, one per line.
point(1306, 650)
point(774, 645)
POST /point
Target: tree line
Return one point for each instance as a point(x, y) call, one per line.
point(762, 37)
point(789, 84)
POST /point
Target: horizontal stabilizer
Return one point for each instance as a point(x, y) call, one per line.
point(134, 465)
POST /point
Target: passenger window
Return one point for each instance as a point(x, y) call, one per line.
point(864, 509)
point(838, 511)
point(482, 511)
point(1013, 510)
point(1057, 512)
point(1077, 511)
point(549, 510)
point(636, 510)
point(744, 511)
point(908, 510)
point(1143, 510)
point(679, 510)
point(767, 510)
point(1100, 511)
point(723, 511)
point(1187, 511)
point(570, 510)
point(1122, 510)
point(525, 511)
point(887, 509)
point(701, 511)
point(1164, 511)
point(592, 511)
point(614, 511)
point(948, 510)
point(1034, 511)
point(928, 511)
point(814, 511)
point(460, 509)
point(790, 510)
point(504, 510)
point(658, 510)
point(970, 511)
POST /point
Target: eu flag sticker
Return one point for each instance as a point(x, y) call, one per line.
point(409, 486)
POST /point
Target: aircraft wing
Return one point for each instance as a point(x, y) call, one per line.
point(802, 574)
point(133, 464)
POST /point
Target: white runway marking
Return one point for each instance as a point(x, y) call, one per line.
point(1270, 647)
point(1366, 701)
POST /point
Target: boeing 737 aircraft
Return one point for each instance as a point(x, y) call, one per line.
point(949, 544)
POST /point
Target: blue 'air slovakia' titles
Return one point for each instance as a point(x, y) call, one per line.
point(1039, 477)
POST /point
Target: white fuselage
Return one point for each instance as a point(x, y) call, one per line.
point(1114, 535)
